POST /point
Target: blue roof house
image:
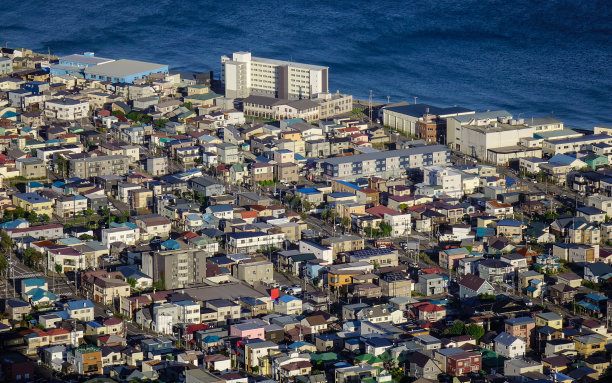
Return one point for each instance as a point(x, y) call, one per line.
point(33, 283)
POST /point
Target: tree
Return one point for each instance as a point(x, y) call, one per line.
point(33, 217)
point(6, 243)
point(307, 205)
point(32, 258)
point(58, 268)
point(45, 218)
point(3, 265)
point(385, 229)
point(19, 212)
point(476, 331)
point(325, 215)
point(457, 328)
point(88, 212)
point(188, 105)
point(161, 123)
point(132, 282)
point(371, 232)
point(86, 237)
point(346, 222)
point(105, 211)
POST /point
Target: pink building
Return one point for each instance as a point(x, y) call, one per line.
point(284, 156)
point(248, 331)
point(449, 259)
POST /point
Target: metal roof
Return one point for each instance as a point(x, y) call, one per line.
point(123, 68)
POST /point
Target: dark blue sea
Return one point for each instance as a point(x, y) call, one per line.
point(532, 57)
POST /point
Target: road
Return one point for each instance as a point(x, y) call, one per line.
point(57, 284)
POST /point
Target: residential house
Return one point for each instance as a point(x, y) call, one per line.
point(509, 346)
point(521, 327)
point(472, 286)
point(431, 284)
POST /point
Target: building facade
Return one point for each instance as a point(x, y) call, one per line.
point(244, 75)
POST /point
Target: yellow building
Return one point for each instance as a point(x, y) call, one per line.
point(291, 135)
point(550, 319)
point(33, 202)
point(337, 279)
point(345, 209)
point(588, 344)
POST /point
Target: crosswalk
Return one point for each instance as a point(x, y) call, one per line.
point(28, 275)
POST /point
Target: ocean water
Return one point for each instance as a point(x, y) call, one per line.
point(542, 58)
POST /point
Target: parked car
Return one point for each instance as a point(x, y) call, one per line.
point(296, 290)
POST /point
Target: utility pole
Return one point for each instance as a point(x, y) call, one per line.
point(370, 106)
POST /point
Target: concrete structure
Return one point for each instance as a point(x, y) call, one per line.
point(175, 268)
point(66, 109)
point(254, 270)
point(6, 65)
point(157, 166)
point(245, 75)
point(386, 164)
point(476, 134)
point(31, 167)
point(250, 242)
point(406, 117)
point(99, 166)
point(87, 360)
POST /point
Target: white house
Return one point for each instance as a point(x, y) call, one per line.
point(321, 252)
point(221, 211)
point(499, 209)
point(509, 346)
point(288, 305)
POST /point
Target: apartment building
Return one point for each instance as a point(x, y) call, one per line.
point(127, 233)
point(87, 360)
point(98, 166)
point(32, 202)
point(175, 268)
point(254, 270)
point(157, 166)
point(31, 167)
point(66, 109)
point(345, 243)
point(244, 75)
point(280, 109)
point(386, 164)
point(250, 242)
point(70, 206)
point(107, 290)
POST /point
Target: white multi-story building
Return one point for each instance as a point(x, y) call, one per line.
point(245, 75)
point(66, 109)
point(476, 134)
point(70, 206)
point(127, 234)
point(250, 242)
point(188, 312)
point(449, 180)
